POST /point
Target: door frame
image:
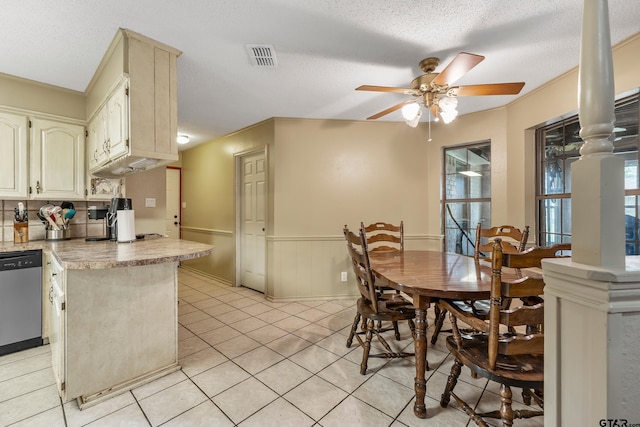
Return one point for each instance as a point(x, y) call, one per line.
point(238, 158)
point(179, 169)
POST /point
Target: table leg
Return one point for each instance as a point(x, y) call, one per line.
point(420, 344)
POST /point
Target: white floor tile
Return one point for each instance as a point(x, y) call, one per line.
point(218, 379)
point(315, 397)
point(76, 417)
point(205, 414)
point(244, 399)
point(27, 405)
point(353, 412)
point(171, 402)
point(283, 376)
point(279, 413)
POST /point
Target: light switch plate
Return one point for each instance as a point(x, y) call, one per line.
point(150, 202)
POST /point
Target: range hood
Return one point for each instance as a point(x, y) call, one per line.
point(129, 165)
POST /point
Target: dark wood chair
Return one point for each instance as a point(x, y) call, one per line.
point(508, 347)
point(382, 236)
point(516, 242)
point(517, 239)
point(370, 307)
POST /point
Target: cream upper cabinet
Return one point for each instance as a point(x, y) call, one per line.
point(142, 109)
point(57, 160)
point(108, 130)
point(118, 122)
point(13, 155)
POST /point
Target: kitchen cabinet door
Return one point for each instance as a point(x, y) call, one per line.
point(97, 139)
point(13, 155)
point(118, 122)
point(47, 295)
point(57, 160)
point(57, 338)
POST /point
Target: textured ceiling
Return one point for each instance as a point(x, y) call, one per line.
point(324, 49)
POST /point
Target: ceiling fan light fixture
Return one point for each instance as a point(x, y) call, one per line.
point(414, 122)
point(411, 111)
point(447, 105)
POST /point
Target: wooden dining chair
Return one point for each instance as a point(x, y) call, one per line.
point(370, 307)
point(382, 236)
point(508, 347)
point(513, 240)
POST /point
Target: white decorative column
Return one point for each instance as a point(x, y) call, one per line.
point(592, 301)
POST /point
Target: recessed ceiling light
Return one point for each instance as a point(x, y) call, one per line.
point(470, 173)
point(183, 139)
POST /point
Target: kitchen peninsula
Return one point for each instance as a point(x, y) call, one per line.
point(113, 312)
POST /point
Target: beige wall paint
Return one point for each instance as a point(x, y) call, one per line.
point(149, 184)
point(29, 95)
point(208, 189)
point(324, 173)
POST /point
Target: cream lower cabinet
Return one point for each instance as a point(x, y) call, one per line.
point(112, 329)
point(57, 321)
point(57, 161)
point(13, 155)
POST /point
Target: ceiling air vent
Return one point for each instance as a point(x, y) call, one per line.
point(262, 55)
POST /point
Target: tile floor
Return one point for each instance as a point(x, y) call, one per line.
point(250, 362)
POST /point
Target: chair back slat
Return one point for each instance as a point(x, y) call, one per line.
point(357, 249)
point(486, 236)
point(533, 257)
point(526, 315)
point(382, 236)
point(525, 287)
point(527, 344)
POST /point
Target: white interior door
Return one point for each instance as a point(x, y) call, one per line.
point(252, 228)
point(173, 203)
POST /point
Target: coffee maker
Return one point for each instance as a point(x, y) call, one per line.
point(117, 204)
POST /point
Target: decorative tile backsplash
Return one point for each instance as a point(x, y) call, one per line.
point(80, 225)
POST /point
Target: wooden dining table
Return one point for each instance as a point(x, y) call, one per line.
point(427, 276)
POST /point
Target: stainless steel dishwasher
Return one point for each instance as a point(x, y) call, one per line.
point(20, 300)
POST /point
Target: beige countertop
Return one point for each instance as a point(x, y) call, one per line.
point(77, 254)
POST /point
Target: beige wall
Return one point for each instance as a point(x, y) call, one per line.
point(325, 173)
point(149, 184)
point(34, 96)
point(208, 183)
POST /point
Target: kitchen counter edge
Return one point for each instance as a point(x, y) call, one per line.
point(77, 254)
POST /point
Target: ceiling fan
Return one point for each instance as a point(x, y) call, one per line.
point(436, 92)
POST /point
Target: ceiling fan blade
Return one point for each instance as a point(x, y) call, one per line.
point(457, 68)
point(405, 91)
point(390, 109)
point(488, 89)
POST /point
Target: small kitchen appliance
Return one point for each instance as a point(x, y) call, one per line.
point(126, 224)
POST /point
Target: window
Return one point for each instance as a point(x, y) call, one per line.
point(557, 147)
point(466, 194)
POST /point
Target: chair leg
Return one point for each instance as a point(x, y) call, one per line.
point(396, 330)
point(526, 396)
point(354, 330)
point(506, 412)
point(440, 316)
point(451, 383)
point(366, 348)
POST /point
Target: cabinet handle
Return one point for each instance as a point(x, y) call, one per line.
point(51, 294)
point(38, 187)
point(109, 145)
